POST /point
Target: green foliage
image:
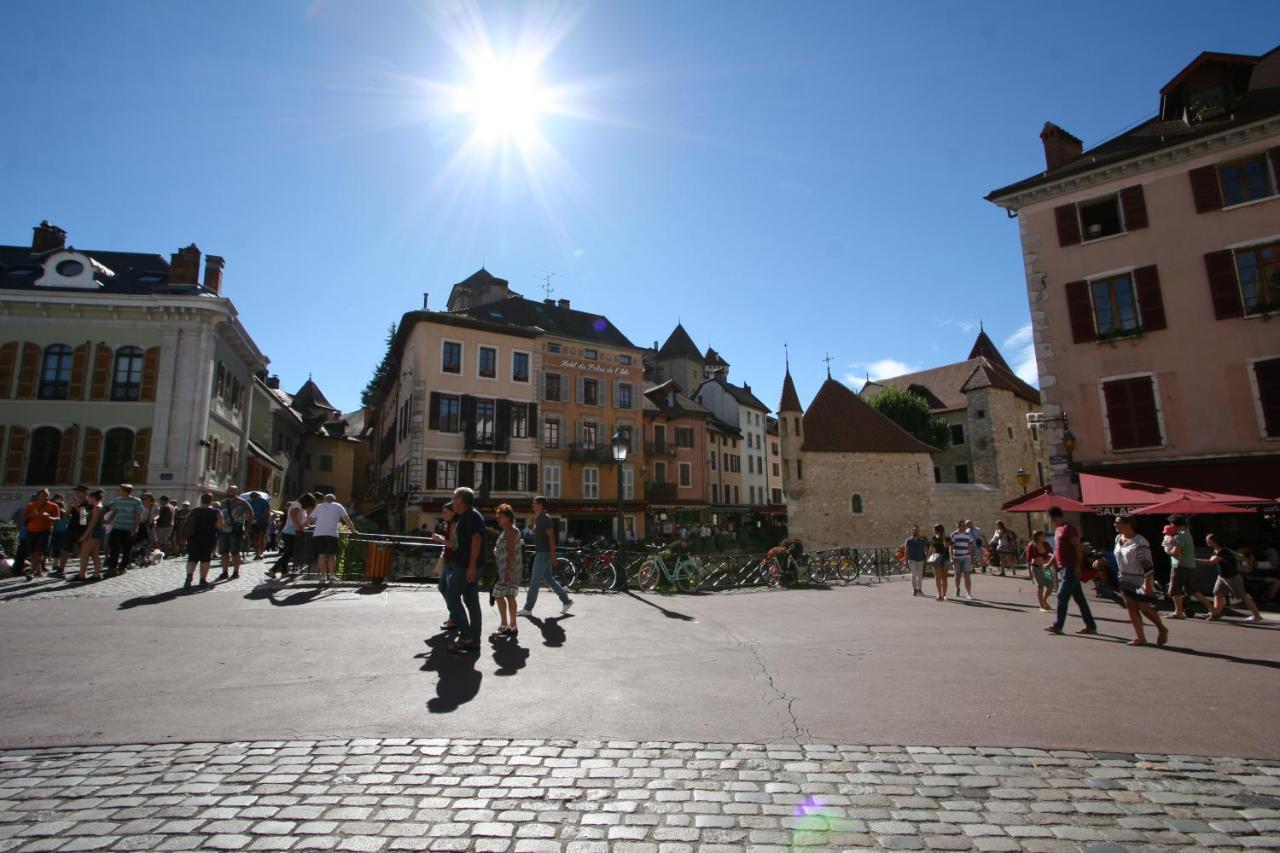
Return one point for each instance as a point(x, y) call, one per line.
point(381, 374)
point(911, 412)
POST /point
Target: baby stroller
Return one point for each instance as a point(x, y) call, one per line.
point(140, 550)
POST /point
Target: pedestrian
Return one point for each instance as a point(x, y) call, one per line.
point(940, 559)
point(914, 550)
point(77, 516)
point(1230, 583)
point(962, 548)
point(978, 552)
point(237, 515)
point(57, 546)
point(146, 528)
point(327, 514)
point(446, 558)
point(123, 517)
point(164, 526)
point(1068, 554)
point(544, 560)
point(20, 555)
point(508, 556)
point(180, 515)
point(93, 538)
point(38, 519)
point(464, 572)
point(261, 515)
point(1135, 571)
point(1182, 577)
point(204, 524)
point(1039, 557)
point(1005, 544)
point(295, 520)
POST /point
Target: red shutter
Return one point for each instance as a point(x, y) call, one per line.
point(8, 361)
point(1268, 376)
point(101, 384)
point(67, 456)
point(141, 451)
point(28, 371)
point(1205, 189)
point(1131, 413)
point(1223, 287)
point(1068, 225)
point(16, 459)
point(1134, 205)
point(1146, 281)
point(91, 462)
point(79, 372)
point(150, 373)
point(1080, 309)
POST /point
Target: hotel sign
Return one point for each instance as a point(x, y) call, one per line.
point(592, 367)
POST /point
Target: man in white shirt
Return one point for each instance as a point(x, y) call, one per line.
point(324, 541)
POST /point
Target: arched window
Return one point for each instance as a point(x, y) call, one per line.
point(55, 373)
point(117, 452)
point(42, 461)
point(855, 504)
point(126, 379)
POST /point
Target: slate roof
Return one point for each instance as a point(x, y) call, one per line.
point(310, 395)
point(139, 273)
point(714, 358)
point(741, 393)
point(790, 399)
point(657, 396)
point(839, 421)
point(984, 347)
point(944, 387)
point(551, 318)
point(680, 345)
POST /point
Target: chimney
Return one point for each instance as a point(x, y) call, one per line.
point(184, 266)
point(213, 273)
point(746, 387)
point(273, 382)
point(549, 302)
point(562, 303)
point(424, 301)
point(1060, 147)
point(47, 238)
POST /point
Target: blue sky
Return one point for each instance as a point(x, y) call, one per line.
point(809, 173)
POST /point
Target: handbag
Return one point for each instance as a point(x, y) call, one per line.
point(935, 558)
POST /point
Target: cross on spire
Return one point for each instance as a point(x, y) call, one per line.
point(828, 360)
point(786, 355)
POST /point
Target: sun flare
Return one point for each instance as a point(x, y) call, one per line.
point(505, 101)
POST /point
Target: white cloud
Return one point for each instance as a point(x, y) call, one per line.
point(881, 369)
point(1022, 349)
point(966, 326)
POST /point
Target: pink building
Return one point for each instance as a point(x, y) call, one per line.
point(1153, 274)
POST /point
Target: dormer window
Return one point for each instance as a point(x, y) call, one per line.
point(1207, 103)
point(69, 268)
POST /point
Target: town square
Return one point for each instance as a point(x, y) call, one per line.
point(490, 426)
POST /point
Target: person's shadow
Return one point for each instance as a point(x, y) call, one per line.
point(458, 679)
point(302, 596)
point(552, 633)
point(670, 614)
point(509, 655)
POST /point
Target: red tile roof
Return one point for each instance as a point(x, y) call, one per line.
point(838, 421)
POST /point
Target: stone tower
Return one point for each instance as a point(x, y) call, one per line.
point(791, 435)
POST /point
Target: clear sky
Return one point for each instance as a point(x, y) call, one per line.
point(803, 172)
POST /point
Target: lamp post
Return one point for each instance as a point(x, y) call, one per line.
point(621, 446)
point(1024, 480)
point(132, 470)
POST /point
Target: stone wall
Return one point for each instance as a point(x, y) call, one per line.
point(895, 488)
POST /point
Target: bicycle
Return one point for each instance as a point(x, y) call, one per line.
point(597, 568)
point(685, 574)
point(565, 571)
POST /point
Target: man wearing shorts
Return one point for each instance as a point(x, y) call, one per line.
point(164, 526)
point(125, 517)
point(237, 515)
point(261, 515)
point(38, 518)
point(1230, 583)
point(1182, 577)
point(962, 558)
point(324, 541)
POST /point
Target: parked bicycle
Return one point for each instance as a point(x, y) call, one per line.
point(683, 572)
point(596, 568)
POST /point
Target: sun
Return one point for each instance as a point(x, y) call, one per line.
point(505, 101)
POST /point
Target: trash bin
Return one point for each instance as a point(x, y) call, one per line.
point(377, 563)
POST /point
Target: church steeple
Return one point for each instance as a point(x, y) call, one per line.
point(984, 347)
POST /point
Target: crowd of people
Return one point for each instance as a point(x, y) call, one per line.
point(1063, 565)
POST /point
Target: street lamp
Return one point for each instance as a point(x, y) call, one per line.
point(621, 446)
point(1024, 480)
point(132, 470)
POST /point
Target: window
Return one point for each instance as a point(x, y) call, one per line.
point(590, 432)
point(628, 482)
point(488, 363)
point(1115, 311)
point(1132, 417)
point(737, 495)
point(1246, 180)
point(775, 470)
point(55, 374)
point(799, 470)
point(957, 434)
point(759, 465)
point(686, 475)
point(775, 496)
point(485, 416)
point(591, 483)
point(1259, 269)
point(751, 465)
point(1035, 433)
point(448, 413)
point(590, 392)
point(551, 481)
point(715, 493)
point(42, 461)
point(551, 433)
point(520, 478)
point(684, 437)
point(624, 395)
point(713, 460)
point(624, 359)
point(773, 448)
point(980, 413)
point(660, 472)
point(519, 420)
point(117, 452)
point(553, 347)
point(551, 387)
point(451, 357)
point(126, 381)
point(1040, 473)
point(855, 504)
point(1266, 379)
point(962, 473)
point(1010, 429)
point(751, 494)
point(1101, 218)
point(520, 367)
point(625, 429)
point(589, 353)
point(447, 474)
point(937, 474)
point(326, 462)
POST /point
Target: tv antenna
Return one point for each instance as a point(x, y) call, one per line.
point(547, 287)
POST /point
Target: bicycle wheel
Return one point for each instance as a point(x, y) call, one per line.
point(605, 575)
point(646, 575)
point(566, 572)
point(688, 574)
point(849, 568)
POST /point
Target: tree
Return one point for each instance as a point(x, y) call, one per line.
point(911, 412)
point(381, 374)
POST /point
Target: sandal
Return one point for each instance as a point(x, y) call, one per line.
point(1136, 642)
point(1162, 637)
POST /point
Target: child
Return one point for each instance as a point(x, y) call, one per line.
point(1170, 541)
point(508, 555)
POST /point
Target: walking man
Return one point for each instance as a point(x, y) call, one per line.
point(38, 519)
point(463, 592)
point(1182, 577)
point(1069, 555)
point(962, 558)
point(125, 517)
point(544, 559)
point(261, 515)
point(324, 542)
point(164, 526)
point(236, 515)
point(914, 550)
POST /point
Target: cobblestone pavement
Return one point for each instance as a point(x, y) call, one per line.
point(593, 795)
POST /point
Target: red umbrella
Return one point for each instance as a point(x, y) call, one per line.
point(1188, 505)
point(1040, 503)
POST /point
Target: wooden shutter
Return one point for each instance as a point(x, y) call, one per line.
point(1223, 287)
point(467, 474)
point(1080, 309)
point(1133, 202)
point(433, 413)
point(501, 477)
point(486, 482)
point(582, 393)
point(91, 461)
point(1131, 413)
point(502, 425)
point(101, 385)
point(8, 365)
point(1268, 375)
point(467, 410)
point(16, 458)
point(28, 371)
point(433, 473)
point(141, 451)
point(533, 477)
point(1068, 225)
point(533, 420)
point(542, 384)
point(1146, 284)
point(1205, 189)
point(150, 373)
point(1274, 153)
point(79, 372)
point(67, 456)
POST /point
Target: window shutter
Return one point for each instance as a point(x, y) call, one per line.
point(1146, 282)
point(1274, 153)
point(501, 477)
point(486, 482)
point(8, 361)
point(467, 474)
point(467, 410)
point(533, 420)
point(79, 372)
point(1133, 202)
point(101, 384)
point(433, 474)
point(67, 455)
point(91, 461)
point(581, 382)
point(28, 371)
point(1205, 189)
point(16, 459)
point(1131, 413)
point(502, 425)
point(433, 413)
point(150, 373)
point(533, 477)
point(141, 451)
point(1080, 309)
point(1223, 287)
point(1068, 225)
point(1268, 375)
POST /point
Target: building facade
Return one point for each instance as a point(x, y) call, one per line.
point(1153, 275)
point(735, 405)
point(675, 433)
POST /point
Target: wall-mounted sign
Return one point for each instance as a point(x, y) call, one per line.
point(591, 367)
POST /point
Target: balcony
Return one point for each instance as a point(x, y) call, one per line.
point(590, 453)
point(655, 491)
point(663, 448)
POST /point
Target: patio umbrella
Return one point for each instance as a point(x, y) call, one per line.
point(1189, 505)
point(1040, 503)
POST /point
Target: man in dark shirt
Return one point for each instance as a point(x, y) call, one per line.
point(544, 559)
point(1069, 555)
point(464, 573)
